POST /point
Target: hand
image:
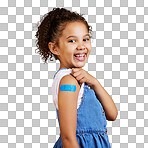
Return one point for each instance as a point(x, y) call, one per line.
point(83, 76)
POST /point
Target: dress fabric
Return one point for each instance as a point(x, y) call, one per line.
point(91, 129)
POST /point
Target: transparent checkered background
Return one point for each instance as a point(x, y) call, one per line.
point(119, 60)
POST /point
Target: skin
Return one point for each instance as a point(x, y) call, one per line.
point(67, 50)
point(68, 47)
point(107, 102)
point(68, 107)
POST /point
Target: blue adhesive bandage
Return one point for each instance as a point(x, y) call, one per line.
point(68, 88)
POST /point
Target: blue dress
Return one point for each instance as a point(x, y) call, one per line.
point(91, 129)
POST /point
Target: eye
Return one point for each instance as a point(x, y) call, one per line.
point(86, 39)
point(72, 41)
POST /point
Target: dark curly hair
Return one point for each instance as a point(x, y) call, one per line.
point(50, 29)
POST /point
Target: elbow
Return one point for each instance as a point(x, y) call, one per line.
point(69, 142)
point(115, 115)
point(66, 140)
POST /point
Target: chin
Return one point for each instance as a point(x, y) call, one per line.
point(79, 66)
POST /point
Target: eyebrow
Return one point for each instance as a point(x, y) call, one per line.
point(76, 36)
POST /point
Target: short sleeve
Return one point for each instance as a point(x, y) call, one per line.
point(55, 87)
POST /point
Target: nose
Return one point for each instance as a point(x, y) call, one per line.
point(81, 46)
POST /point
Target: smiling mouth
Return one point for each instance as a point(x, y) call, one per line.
point(80, 57)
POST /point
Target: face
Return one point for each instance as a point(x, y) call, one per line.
point(74, 46)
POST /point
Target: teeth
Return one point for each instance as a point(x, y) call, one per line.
point(80, 55)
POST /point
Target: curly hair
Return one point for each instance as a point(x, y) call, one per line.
point(50, 28)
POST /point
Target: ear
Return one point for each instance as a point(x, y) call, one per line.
point(53, 48)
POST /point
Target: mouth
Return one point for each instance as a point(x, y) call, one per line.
point(80, 57)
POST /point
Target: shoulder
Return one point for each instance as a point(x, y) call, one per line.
point(70, 80)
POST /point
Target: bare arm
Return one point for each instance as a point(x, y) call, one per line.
point(107, 102)
point(70, 144)
point(67, 104)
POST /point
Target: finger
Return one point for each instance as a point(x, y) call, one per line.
point(79, 77)
point(82, 80)
point(75, 74)
point(75, 69)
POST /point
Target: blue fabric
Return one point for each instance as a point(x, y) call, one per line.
point(91, 129)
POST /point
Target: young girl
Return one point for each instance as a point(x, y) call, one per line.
point(82, 104)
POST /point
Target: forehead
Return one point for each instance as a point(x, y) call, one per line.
point(75, 28)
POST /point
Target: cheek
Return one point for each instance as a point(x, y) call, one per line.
point(70, 49)
point(89, 46)
point(69, 53)
point(89, 49)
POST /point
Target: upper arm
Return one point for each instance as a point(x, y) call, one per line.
point(67, 105)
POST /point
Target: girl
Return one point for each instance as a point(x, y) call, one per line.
point(82, 104)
